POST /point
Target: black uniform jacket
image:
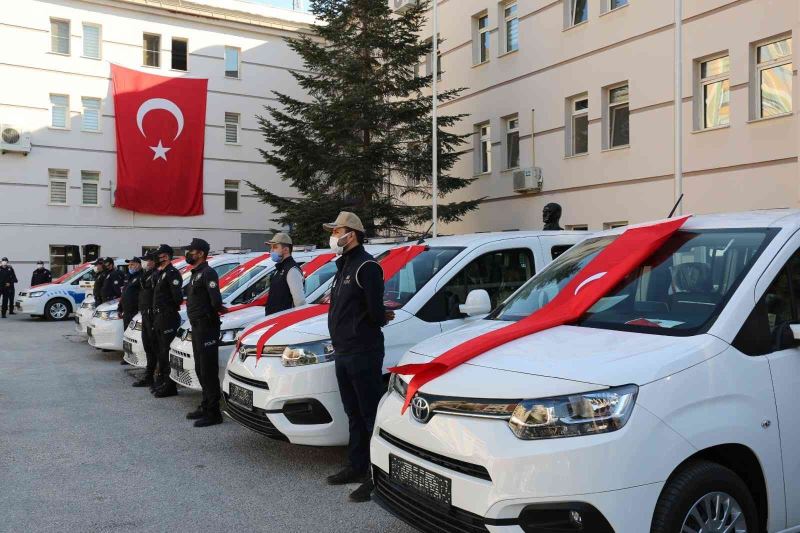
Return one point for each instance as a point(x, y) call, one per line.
point(112, 285)
point(357, 312)
point(280, 297)
point(168, 296)
point(147, 285)
point(203, 299)
point(97, 290)
point(7, 276)
point(129, 304)
point(41, 276)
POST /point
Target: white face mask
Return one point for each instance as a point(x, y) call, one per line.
point(3, 263)
point(334, 243)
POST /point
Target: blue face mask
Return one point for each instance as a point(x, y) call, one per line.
point(275, 256)
point(132, 270)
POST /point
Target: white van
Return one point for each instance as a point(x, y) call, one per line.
point(671, 406)
point(293, 398)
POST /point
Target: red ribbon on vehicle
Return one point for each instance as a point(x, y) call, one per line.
point(603, 273)
point(391, 265)
point(241, 269)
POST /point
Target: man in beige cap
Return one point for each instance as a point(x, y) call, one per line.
point(286, 286)
point(355, 319)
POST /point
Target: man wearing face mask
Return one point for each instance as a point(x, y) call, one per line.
point(147, 285)
point(129, 300)
point(100, 275)
point(167, 300)
point(355, 319)
point(286, 286)
point(41, 275)
point(112, 284)
point(7, 280)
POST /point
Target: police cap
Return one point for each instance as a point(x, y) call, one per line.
point(165, 249)
point(199, 244)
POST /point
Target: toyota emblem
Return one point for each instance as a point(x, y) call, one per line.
point(420, 409)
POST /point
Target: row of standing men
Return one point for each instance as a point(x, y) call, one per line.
point(8, 278)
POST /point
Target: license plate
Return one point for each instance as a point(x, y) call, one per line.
point(425, 482)
point(241, 397)
point(89, 332)
point(176, 362)
point(127, 347)
point(77, 320)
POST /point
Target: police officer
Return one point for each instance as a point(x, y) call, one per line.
point(167, 299)
point(355, 319)
point(286, 286)
point(204, 305)
point(7, 280)
point(147, 284)
point(114, 281)
point(41, 275)
point(99, 277)
point(129, 301)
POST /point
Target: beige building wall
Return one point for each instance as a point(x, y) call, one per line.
point(749, 164)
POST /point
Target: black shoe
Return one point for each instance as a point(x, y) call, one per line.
point(157, 384)
point(362, 493)
point(12, 313)
point(348, 475)
point(210, 419)
point(197, 414)
point(124, 362)
point(166, 391)
point(146, 381)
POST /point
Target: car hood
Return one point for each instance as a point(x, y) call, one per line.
point(46, 287)
point(110, 305)
point(589, 355)
point(242, 317)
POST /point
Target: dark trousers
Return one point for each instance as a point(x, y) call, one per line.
point(149, 341)
point(205, 345)
point(7, 296)
point(166, 327)
point(360, 378)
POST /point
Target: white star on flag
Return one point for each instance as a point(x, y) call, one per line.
point(160, 151)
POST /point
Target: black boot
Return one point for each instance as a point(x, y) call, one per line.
point(362, 493)
point(169, 389)
point(211, 418)
point(146, 381)
point(196, 414)
point(348, 475)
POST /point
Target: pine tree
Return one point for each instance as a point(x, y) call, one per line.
point(361, 138)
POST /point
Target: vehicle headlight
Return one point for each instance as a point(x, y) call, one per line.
point(589, 413)
point(107, 315)
point(397, 385)
point(36, 294)
point(310, 353)
point(88, 305)
point(227, 337)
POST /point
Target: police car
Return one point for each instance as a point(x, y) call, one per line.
point(291, 393)
point(56, 300)
point(104, 331)
point(86, 309)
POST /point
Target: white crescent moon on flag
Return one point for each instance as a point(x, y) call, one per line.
point(160, 103)
point(589, 280)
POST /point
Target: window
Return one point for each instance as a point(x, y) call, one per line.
point(773, 76)
point(559, 249)
point(578, 126)
point(58, 186)
point(90, 187)
point(512, 142)
point(511, 27)
point(91, 40)
point(577, 11)
point(180, 54)
point(614, 4)
point(91, 114)
point(59, 110)
point(151, 50)
point(577, 227)
point(231, 195)
point(59, 36)
point(426, 67)
point(499, 273)
point(481, 37)
point(612, 225)
point(484, 162)
point(231, 62)
point(715, 93)
point(618, 117)
point(231, 128)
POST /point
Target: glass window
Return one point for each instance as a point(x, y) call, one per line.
point(499, 273)
point(579, 131)
point(618, 3)
point(678, 291)
point(484, 149)
point(579, 11)
point(512, 142)
point(180, 54)
point(223, 269)
point(401, 287)
point(618, 117)
point(59, 110)
point(774, 74)
point(242, 280)
point(231, 195)
point(231, 128)
point(511, 28)
point(59, 36)
point(231, 62)
point(58, 186)
point(90, 186)
point(320, 277)
point(715, 90)
point(483, 36)
point(91, 114)
point(151, 50)
point(91, 40)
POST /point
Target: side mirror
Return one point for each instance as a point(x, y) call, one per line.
point(478, 303)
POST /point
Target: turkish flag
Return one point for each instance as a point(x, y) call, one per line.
point(160, 125)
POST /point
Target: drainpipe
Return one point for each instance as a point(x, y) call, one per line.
point(678, 104)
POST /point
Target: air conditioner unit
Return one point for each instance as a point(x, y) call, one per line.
point(14, 139)
point(400, 6)
point(528, 180)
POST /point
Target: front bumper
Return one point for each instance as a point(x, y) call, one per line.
point(133, 348)
point(82, 319)
point(182, 360)
point(105, 334)
point(29, 306)
point(614, 473)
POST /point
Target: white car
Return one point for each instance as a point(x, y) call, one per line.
point(85, 312)
point(292, 394)
point(133, 351)
point(670, 407)
point(56, 300)
point(104, 331)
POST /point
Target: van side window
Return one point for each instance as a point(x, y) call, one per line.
point(763, 331)
point(499, 273)
point(559, 249)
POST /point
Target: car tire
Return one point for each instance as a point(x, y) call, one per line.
point(684, 498)
point(57, 309)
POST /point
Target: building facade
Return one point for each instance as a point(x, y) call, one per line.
point(581, 92)
point(55, 67)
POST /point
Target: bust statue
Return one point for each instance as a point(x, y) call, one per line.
point(551, 214)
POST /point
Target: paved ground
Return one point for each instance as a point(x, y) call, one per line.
point(81, 450)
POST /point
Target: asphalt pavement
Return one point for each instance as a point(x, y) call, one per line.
point(82, 450)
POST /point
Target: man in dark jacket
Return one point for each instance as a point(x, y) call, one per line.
point(355, 319)
point(41, 275)
point(112, 284)
point(147, 285)
point(100, 275)
point(128, 304)
point(7, 280)
point(167, 300)
point(286, 286)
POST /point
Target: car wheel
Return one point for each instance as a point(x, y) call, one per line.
point(705, 496)
point(57, 309)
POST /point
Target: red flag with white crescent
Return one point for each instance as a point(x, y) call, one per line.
point(160, 124)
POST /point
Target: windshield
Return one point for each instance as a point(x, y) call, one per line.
point(679, 290)
point(320, 277)
point(70, 275)
point(242, 280)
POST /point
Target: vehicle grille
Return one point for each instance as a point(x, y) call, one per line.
point(179, 353)
point(420, 511)
point(461, 467)
point(249, 381)
point(255, 420)
point(131, 358)
point(137, 326)
point(184, 377)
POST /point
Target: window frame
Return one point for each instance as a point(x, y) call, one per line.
point(576, 227)
point(610, 115)
point(99, 40)
point(145, 50)
point(510, 130)
point(238, 124)
point(700, 89)
point(68, 22)
point(99, 114)
point(507, 21)
point(66, 107)
point(184, 40)
point(480, 36)
point(573, 114)
point(95, 180)
point(229, 187)
point(238, 62)
point(615, 224)
point(608, 6)
point(51, 178)
point(570, 10)
point(483, 143)
point(757, 67)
